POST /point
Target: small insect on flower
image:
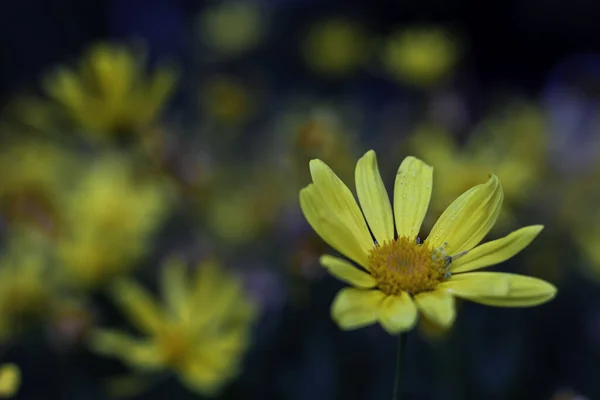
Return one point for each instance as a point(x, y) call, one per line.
point(200, 332)
point(400, 273)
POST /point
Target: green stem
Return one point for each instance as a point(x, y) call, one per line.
point(399, 365)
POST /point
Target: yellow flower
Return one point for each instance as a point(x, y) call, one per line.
point(241, 210)
point(111, 93)
point(200, 332)
point(34, 175)
point(29, 289)
point(10, 380)
point(110, 217)
point(511, 145)
point(402, 274)
point(232, 27)
point(335, 47)
point(422, 56)
point(226, 100)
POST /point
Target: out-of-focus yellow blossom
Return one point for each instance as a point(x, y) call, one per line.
point(244, 208)
point(319, 133)
point(335, 47)
point(34, 173)
point(578, 212)
point(232, 27)
point(422, 56)
point(10, 380)
point(29, 287)
point(401, 275)
point(226, 100)
point(200, 332)
point(512, 147)
point(110, 217)
point(110, 93)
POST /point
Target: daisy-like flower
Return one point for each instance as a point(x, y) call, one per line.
point(402, 275)
point(200, 331)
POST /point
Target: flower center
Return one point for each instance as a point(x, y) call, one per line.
point(404, 265)
point(174, 344)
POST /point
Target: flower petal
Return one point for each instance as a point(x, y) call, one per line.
point(175, 288)
point(333, 231)
point(373, 198)
point(474, 284)
point(496, 251)
point(348, 273)
point(139, 305)
point(354, 308)
point(10, 380)
point(340, 201)
point(524, 291)
point(412, 192)
point(437, 307)
point(138, 353)
point(397, 313)
point(469, 218)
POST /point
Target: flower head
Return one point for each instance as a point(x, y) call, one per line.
point(34, 175)
point(10, 380)
point(402, 275)
point(111, 93)
point(29, 289)
point(335, 47)
point(421, 56)
point(200, 331)
point(110, 217)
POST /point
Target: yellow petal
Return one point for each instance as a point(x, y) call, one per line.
point(331, 229)
point(354, 308)
point(437, 307)
point(496, 251)
point(137, 303)
point(524, 291)
point(10, 380)
point(137, 353)
point(397, 313)
point(203, 378)
point(348, 273)
point(175, 288)
point(475, 284)
point(469, 218)
point(412, 192)
point(341, 201)
point(373, 198)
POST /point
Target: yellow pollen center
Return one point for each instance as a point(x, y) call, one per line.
point(404, 265)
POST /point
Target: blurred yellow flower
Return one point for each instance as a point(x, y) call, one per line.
point(335, 47)
point(200, 332)
point(422, 56)
point(34, 173)
point(232, 27)
point(10, 380)
point(226, 100)
point(110, 93)
point(29, 288)
point(321, 132)
point(512, 147)
point(403, 276)
point(110, 217)
point(244, 208)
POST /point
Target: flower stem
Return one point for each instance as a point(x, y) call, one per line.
point(399, 365)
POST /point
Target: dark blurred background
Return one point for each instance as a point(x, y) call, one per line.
point(528, 47)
